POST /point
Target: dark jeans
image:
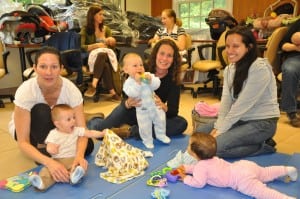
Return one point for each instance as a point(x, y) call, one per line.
point(121, 115)
point(40, 126)
point(290, 84)
point(245, 138)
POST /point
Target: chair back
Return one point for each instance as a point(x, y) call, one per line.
point(283, 7)
point(3, 67)
point(68, 43)
point(188, 41)
point(272, 51)
point(221, 55)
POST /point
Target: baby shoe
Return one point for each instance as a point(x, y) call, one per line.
point(163, 138)
point(36, 181)
point(77, 174)
point(292, 173)
point(148, 145)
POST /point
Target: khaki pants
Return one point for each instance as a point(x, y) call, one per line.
point(46, 176)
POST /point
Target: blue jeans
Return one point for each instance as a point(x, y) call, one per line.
point(245, 138)
point(121, 115)
point(290, 83)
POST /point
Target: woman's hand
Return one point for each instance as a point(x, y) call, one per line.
point(58, 171)
point(160, 104)
point(132, 102)
point(101, 45)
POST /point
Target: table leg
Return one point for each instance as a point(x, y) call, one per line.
point(22, 61)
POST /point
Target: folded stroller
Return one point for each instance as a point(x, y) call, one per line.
point(218, 20)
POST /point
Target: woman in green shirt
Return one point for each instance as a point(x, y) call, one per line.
point(97, 35)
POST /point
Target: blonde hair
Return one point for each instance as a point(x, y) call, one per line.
point(127, 56)
point(172, 14)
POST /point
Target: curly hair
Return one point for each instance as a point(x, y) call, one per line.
point(174, 69)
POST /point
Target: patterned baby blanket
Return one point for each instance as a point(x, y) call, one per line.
point(123, 161)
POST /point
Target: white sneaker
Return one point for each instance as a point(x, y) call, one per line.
point(77, 174)
point(292, 173)
point(163, 138)
point(36, 181)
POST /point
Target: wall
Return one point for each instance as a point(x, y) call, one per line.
point(142, 6)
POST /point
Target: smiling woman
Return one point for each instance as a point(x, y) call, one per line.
point(164, 62)
point(32, 119)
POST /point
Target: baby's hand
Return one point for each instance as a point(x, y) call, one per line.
point(146, 78)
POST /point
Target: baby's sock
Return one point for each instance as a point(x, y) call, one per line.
point(148, 145)
point(77, 174)
point(292, 173)
point(163, 138)
point(36, 181)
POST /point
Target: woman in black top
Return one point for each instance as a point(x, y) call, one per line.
point(165, 63)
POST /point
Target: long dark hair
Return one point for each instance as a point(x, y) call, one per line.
point(174, 69)
point(90, 27)
point(243, 65)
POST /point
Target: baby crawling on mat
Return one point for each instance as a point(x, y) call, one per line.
point(244, 176)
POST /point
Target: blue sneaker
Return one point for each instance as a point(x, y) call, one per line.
point(77, 174)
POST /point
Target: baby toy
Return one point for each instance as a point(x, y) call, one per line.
point(16, 183)
point(160, 193)
point(162, 172)
point(173, 176)
point(144, 78)
point(157, 181)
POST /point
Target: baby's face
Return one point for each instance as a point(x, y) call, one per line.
point(133, 65)
point(66, 122)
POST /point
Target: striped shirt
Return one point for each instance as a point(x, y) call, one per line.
point(177, 31)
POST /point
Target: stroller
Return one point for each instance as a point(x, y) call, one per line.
point(218, 20)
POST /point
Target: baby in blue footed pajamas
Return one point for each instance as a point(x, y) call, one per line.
point(142, 85)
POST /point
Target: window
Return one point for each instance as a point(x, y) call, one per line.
point(193, 12)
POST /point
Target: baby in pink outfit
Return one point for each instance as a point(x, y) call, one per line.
point(244, 176)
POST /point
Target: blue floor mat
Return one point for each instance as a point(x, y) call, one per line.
point(94, 187)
